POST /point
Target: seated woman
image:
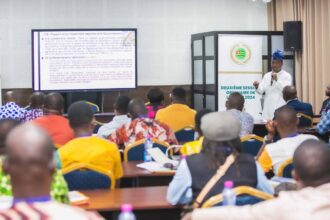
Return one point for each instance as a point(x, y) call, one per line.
point(194, 147)
point(156, 99)
point(221, 141)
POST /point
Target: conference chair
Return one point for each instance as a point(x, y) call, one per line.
point(252, 143)
point(95, 108)
point(185, 134)
point(135, 151)
point(82, 176)
point(246, 195)
point(285, 168)
point(305, 120)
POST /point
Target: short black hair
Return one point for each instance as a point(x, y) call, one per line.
point(54, 101)
point(198, 118)
point(155, 95)
point(121, 104)
point(179, 93)
point(80, 114)
point(286, 115)
point(136, 108)
point(236, 100)
point(37, 100)
point(311, 162)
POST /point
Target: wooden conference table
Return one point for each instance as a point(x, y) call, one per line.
point(148, 202)
point(134, 176)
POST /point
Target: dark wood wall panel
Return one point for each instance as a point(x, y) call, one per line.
point(108, 98)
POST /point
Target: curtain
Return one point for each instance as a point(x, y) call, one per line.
point(312, 74)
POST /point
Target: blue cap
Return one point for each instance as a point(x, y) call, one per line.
point(278, 55)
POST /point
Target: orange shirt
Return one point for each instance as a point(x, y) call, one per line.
point(177, 116)
point(57, 127)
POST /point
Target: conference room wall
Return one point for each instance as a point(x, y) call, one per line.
point(164, 30)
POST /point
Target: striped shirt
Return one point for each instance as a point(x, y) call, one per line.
point(46, 211)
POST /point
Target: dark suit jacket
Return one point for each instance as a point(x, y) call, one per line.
point(301, 107)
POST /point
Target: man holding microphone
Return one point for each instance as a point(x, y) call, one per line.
point(272, 85)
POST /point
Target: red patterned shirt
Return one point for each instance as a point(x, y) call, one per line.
point(139, 128)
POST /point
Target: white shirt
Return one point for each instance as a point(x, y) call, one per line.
point(284, 148)
point(273, 92)
point(117, 121)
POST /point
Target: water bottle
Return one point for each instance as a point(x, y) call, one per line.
point(228, 193)
point(147, 145)
point(126, 212)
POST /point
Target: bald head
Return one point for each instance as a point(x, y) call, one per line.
point(312, 163)
point(54, 103)
point(136, 108)
point(29, 161)
point(286, 119)
point(289, 93)
point(9, 96)
point(235, 101)
point(37, 100)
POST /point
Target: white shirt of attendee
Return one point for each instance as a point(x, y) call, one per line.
point(272, 85)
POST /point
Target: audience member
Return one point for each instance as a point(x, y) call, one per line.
point(291, 99)
point(86, 148)
point(326, 103)
point(156, 99)
point(6, 125)
point(34, 110)
point(59, 190)
point(221, 147)
point(177, 115)
point(194, 147)
point(324, 125)
point(285, 123)
point(311, 171)
point(141, 126)
point(121, 118)
point(53, 121)
point(11, 109)
point(30, 165)
point(235, 105)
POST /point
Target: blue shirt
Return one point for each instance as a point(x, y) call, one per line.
point(12, 110)
point(324, 125)
point(247, 121)
point(180, 192)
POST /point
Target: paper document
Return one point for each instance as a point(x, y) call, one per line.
point(77, 198)
point(153, 167)
point(160, 157)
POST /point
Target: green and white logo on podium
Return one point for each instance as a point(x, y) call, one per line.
point(240, 53)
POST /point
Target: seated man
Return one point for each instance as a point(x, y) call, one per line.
point(11, 109)
point(326, 103)
point(324, 125)
point(53, 121)
point(177, 115)
point(141, 126)
point(312, 173)
point(285, 123)
point(291, 99)
point(59, 190)
point(36, 105)
point(86, 148)
point(235, 105)
point(121, 118)
point(30, 165)
point(194, 147)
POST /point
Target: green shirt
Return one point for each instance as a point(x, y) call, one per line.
point(59, 188)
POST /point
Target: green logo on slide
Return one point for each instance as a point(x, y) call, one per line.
point(240, 53)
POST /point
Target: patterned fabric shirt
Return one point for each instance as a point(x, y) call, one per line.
point(59, 189)
point(49, 210)
point(139, 128)
point(247, 121)
point(32, 114)
point(12, 110)
point(324, 125)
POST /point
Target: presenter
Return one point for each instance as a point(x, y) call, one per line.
point(272, 85)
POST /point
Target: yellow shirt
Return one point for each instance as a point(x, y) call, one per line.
point(193, 147)
point(177, 116)
point(92, 150)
